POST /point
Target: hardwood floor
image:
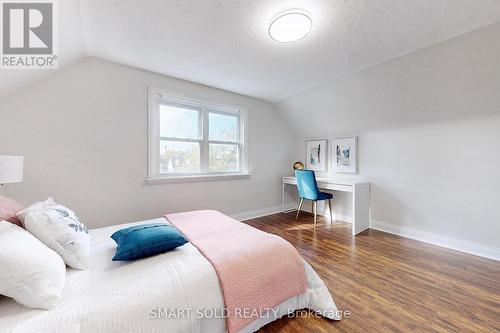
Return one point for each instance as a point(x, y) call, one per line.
point(390, 283)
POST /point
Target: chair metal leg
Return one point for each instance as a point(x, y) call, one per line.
point(298, 209)
point(331, 213)
point(315, 205)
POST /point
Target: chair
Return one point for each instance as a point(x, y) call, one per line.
point(308, 190)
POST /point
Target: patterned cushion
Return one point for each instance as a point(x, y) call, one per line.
point(60, 229)
point(146, 240)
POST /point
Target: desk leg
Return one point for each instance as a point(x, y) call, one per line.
point(360, 208)
point(283, 198)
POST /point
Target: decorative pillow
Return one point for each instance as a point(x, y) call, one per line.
point(30, 272)
point(8, 210)
point(146, 240)
point(60, 229)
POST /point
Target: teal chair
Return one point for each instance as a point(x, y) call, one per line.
point(308, 190)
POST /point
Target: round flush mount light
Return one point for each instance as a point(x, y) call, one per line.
point(290, 26)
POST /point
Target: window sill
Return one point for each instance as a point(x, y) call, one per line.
point(197, 178)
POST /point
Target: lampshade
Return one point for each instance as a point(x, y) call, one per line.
point(11, 169)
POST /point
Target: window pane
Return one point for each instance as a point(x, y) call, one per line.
point(223, 158)
point(179, 157)
point(223, 127)
point(178, 122)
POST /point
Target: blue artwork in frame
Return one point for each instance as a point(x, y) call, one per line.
point(345, 153)
point(317, 155)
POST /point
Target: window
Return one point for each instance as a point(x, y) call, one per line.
point(193, 138)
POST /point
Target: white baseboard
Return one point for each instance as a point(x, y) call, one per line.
point(337, 216)
point(259, 213)
point(435, 239)
point(342, 217)
point(477, 249)
point(289, 206)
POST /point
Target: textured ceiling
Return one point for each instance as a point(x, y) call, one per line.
point(224, 43)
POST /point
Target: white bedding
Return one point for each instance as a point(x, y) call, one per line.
point(126, 297)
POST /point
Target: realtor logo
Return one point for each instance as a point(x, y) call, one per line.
point(28, 34)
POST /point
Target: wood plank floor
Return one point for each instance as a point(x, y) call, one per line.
point(390, 283)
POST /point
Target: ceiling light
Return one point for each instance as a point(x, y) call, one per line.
point(290, 26)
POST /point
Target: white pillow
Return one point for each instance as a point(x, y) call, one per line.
point(60, 229)
point(30, 272)
point(36, 207)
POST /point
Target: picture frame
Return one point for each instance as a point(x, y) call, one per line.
point(317, 155)
point(345, 155)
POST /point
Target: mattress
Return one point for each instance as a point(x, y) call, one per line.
point(177, 291)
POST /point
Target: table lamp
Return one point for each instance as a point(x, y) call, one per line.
point(11, 169)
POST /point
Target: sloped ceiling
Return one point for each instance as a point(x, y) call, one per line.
point(71, 48)
point(451, 81)
point(224, 43)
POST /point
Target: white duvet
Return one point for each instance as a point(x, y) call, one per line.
point(173, 292)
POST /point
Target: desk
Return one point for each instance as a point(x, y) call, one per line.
point(360, 198)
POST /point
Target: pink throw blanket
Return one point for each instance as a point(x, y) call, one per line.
point(257, 271)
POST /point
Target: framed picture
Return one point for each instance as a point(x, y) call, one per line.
point(317, 155)
point(345, 152)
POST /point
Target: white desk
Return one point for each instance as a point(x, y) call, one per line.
point(360, 198)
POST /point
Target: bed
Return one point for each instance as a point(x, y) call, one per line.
point(178, 291)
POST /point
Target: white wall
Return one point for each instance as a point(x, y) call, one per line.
point(441, 179)
point(429, 128)
point(83, 132)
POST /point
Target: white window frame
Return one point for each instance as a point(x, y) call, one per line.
point(156, 97)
